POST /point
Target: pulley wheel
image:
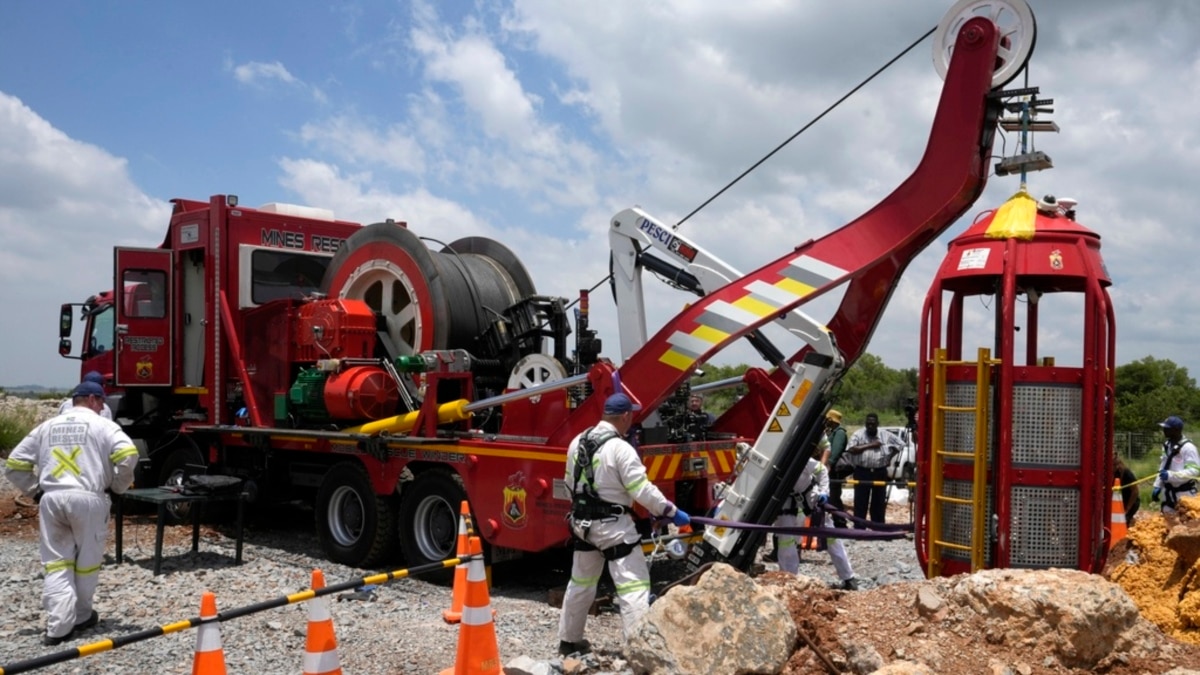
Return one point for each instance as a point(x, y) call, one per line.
point(1018, 34)
point(534, 370)
point(430, 300)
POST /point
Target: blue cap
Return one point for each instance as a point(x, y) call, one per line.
point(619, 404)
point(86, 388)
point(94, 376)
point(1172, 422)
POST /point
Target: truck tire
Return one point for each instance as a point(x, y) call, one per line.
point(429, 511)
point(354, 525)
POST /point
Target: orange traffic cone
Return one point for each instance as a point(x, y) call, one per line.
point(808, 541)
point(477, 650)
point(1118, 530)
point(320, 648)
point(210, 658)
point(454, 614)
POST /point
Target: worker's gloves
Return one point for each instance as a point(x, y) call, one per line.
point(680, 518)
point(1164, 475)
point(1154, 495)
point(821, 499)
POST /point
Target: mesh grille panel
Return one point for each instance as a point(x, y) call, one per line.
point(960, 426)
point(1046, 424)
point(1045, 527)
point(956, 521)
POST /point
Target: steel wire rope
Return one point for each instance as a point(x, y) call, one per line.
point(811, 122)
point(779, 147)
point(468, 279)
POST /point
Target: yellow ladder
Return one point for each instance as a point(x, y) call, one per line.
point(939, 455)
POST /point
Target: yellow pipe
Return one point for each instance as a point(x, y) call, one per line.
point(447, 413)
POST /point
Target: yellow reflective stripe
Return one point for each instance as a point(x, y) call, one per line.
point(18, 465)
point(673, 467)
point(122, 453)
point(60, 565)
point(754, 306)
point(676, 360)
point(654, 467)
point(66, 462)
point(709, 334)
point(723, 460)
point(796, 288)
point(636, 485)
point(88, 570)
point(633, 587)
point(585, 581)
point(95, 647)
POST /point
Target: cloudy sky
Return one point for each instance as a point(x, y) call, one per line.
point(534, 121)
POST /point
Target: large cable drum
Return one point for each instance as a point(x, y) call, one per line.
point(429, 299)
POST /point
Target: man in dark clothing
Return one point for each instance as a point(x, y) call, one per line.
point(1130, 496)
point(870, 451)
point(837, 462)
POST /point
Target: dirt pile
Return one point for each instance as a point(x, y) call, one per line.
point(1158, 565)
point(1027, 622)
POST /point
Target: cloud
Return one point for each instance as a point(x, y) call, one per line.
point(63, 205)
point(262, 76)
point(353, 141)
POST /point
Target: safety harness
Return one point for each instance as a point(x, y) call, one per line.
point(1172, 492)
point(798, 501)
point(586, 505)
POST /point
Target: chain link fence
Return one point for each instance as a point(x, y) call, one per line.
point(1136, 444)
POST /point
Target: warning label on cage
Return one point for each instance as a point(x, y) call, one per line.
point(973, 259)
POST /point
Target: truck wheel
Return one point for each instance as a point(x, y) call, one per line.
point(171, 475)
point(429, 511)
point(354, 524)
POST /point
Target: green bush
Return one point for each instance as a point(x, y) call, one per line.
point(14, 425)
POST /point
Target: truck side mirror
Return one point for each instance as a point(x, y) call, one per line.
point(64, 325)
point(64, 347)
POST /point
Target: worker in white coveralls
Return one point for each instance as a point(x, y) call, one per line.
point(69, 402)
point(75, 459)
point(606, 476)
point(812, 491)
point(1178, 468)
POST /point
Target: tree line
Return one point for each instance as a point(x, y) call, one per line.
point(1147, 390)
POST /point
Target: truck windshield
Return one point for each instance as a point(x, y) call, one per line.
point(276, 275)
point(101, 338)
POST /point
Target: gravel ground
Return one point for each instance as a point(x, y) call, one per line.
point(397, 629)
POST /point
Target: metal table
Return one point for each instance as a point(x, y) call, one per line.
point(161, 497)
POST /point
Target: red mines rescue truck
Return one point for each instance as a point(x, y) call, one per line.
point(387, 381)
point(355, 367)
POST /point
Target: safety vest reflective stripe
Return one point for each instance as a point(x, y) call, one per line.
point(633, 587)
point(636, 485)
point(60, 565)
point(585, 581)
point(18, 465)
point(66, 462)
point(87, 570)
point(122, 453)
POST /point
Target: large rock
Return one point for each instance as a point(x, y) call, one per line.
point(1082, 616)
point(723, 624)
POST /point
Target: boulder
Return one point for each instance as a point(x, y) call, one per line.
point(724, 624)
point(1080, 616)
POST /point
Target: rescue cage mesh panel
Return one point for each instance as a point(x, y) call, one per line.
point(1046, 424)
point(1045, 527)
point(960, 426)
point(956, 521)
